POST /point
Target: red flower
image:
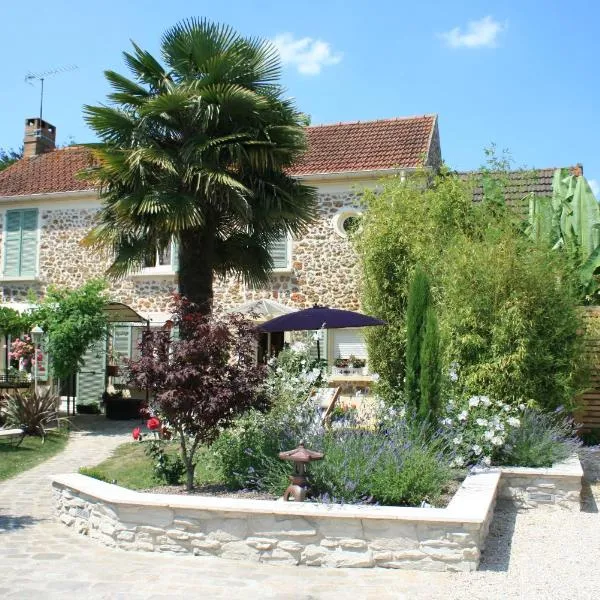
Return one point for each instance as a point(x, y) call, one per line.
point(153, 423)
point(137, 434)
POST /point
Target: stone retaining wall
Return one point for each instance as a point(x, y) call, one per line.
point(432, 539)
point(558, 486)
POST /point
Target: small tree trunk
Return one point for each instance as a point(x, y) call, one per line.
point(190, 468)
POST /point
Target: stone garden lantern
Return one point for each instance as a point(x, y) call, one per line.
point(300, 456)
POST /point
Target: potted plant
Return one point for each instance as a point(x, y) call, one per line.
point(119, 405)
point(341, 366)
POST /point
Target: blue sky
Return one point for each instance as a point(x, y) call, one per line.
point(512, 72)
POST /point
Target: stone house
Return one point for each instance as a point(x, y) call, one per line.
point(45, 211)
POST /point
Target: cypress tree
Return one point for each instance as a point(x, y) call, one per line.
point(431, 369)
point(419, 298)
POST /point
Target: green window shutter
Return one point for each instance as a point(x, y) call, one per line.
point(122, 341)
point(279, 253)
point(12, 243)
point(29, 242)
point(121, 346)
point(21, 241)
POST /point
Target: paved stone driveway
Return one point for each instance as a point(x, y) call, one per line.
point(530, 556)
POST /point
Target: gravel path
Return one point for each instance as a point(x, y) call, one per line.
point(541, 554)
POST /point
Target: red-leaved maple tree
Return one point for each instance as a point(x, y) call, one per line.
point(200, 383)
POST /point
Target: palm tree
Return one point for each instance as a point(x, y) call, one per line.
point(196, 151)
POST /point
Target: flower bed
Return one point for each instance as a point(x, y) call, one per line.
point(311, 534)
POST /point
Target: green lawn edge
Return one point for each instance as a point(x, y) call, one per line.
point(30, 453)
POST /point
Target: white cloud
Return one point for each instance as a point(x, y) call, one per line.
point(595, 185)
point(308, 55)
point(477, 34)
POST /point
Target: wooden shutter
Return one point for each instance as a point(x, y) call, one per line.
point(20, 244)
point(12, 243)
point(279, 253)
point(349, 342)
point(121, 346)
point(122, 341)
point(29, 239)
point(91, 376)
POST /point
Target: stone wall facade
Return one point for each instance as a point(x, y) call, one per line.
point(323, 267)
point(280, 532)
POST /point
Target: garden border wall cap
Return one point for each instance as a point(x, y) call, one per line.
point(301, 454)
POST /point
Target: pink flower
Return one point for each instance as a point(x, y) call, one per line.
point(137, 434)
point(153, 423)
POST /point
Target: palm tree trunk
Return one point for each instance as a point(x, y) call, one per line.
point(196, 260)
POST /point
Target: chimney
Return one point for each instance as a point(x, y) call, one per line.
point(40, 137)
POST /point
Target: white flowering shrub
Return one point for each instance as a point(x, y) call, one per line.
point(292, 375)
point(478, 427)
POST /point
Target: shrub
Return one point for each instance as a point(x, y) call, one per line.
point(372, 465)
point(541, 440)
point(398, 463)
point(166, 468)
point(506, 306)
point(32, 411)
point(477, 426)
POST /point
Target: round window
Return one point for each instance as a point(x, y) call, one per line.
point(346, 221)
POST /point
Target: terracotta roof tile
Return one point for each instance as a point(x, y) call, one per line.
point(47, 173)
point(366, 146)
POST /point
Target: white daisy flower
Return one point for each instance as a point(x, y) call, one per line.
point(513, 422)
point(477, 449)
point(482, 422)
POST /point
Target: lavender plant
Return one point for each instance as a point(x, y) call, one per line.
point(541, 440)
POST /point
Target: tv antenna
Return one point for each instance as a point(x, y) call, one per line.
point(42, 76)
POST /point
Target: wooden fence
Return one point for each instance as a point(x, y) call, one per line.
point(589, 402)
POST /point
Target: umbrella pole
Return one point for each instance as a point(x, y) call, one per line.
point(318, 350)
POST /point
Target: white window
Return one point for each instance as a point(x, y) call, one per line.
point(349, 342)
point(281, 254)
point(162, 262)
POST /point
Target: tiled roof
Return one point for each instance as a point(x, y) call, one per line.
point(367, 146)
point(344, 147)
point(47, 173)
point(518, 185)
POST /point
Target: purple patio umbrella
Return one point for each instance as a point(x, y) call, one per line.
point(319, 317)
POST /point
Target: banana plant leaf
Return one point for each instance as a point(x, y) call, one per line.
point(569, 221)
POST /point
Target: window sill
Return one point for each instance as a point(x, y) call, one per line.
point(19, 278)
point(283, 271)
point(153, 274)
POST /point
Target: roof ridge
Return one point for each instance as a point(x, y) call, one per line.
point(370, 121)
point(519, 170)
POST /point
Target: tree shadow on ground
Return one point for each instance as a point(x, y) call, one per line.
point(498, 544)
point(12, 522)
